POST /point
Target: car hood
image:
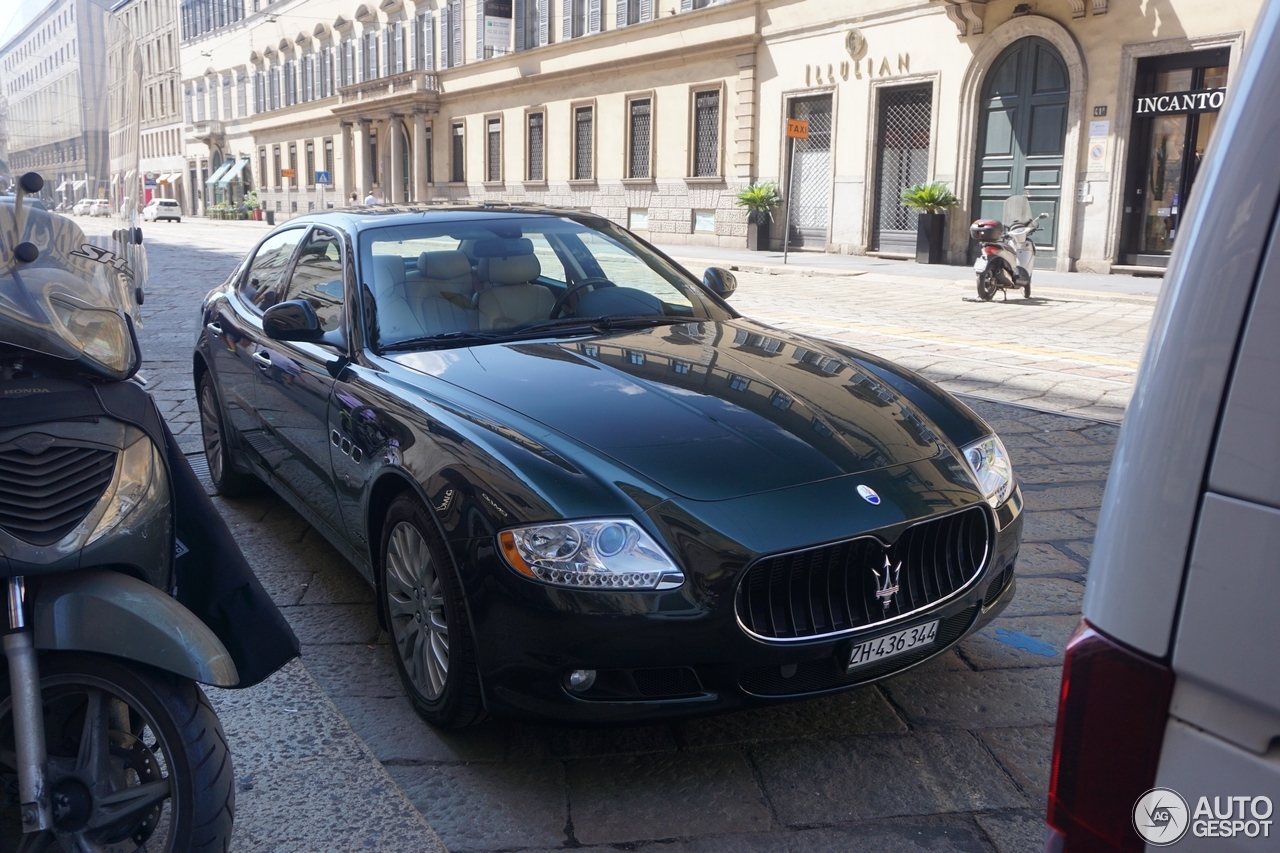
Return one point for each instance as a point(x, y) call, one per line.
point(709, 411)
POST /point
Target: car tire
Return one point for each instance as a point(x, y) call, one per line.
point(426, 616)
point(226, 480)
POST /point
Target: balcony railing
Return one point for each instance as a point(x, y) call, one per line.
point(410, 82)
point(205, 130)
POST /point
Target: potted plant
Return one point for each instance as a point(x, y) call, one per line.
point(931, 201)
point(252, 204)
point(759, 199)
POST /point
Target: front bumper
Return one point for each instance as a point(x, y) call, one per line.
point(663, 655)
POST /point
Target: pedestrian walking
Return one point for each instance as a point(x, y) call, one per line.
point(353, 201)
point(370, 198)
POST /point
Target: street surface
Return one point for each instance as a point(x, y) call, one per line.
point(951, 756)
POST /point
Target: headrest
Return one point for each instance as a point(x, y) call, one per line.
point(444, 265)
point(517, 269)
point(499, 248)
point(388, 272)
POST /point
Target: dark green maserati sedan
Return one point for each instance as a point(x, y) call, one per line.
point(583, 486)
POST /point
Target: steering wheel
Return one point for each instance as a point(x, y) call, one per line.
point(589, 281)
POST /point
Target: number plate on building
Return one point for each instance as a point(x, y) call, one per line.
point(879, 648)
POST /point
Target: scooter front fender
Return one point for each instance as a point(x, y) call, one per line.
point(114, 614)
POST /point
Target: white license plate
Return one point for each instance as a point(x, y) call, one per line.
point(879, 648)
point(980, 265)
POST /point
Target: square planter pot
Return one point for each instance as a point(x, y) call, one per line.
point(758, 227)
point(930, 230)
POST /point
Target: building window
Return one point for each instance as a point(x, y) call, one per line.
point(273, 83)
point(191, 119)
point(430, 152)
point(738, 383)
point(424, 33)
point(706, 134)
point(635, 357)
point(536, 159)
point(533, 29)
point(583, 136)
point(780, 400)
point(226, 97)
point(397, 44)
point(262, 166)
point(348, 62)
point(293, 163)
point(494, 150)
point(200, 101)
point(580, 17)
point(311, 164)
point(681, 367)
point(451, 35)
point(370, 69)
point(704, 221)
point(458, 175)
point(638, 138)
point(634, 11)
point(242, 107)
point(308, 79)
point(275, 155)
point(373, 155)
point(686, 5)
point(638, 219)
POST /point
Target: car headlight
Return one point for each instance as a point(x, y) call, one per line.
point(607, 553)
point(990, 464)
point(139, 481)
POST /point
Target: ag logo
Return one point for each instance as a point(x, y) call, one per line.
point(1160, 817)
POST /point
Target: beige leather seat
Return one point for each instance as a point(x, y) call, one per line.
point(402, 314)
point(511, 298)
point(448, 275)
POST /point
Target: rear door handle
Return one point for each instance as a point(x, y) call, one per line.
point(263, 358)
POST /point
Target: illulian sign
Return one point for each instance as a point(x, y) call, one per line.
point(1205, 100)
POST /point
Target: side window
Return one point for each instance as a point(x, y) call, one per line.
point(552, 267)
point(317, 277)
point(261, 286)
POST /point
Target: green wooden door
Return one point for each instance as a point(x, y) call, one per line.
point(1021, 133)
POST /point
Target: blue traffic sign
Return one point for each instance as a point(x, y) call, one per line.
point(323, 178)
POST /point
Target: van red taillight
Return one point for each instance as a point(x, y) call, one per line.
point(990, 250)
point(1111, 717)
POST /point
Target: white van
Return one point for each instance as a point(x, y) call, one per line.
point(1169, 718)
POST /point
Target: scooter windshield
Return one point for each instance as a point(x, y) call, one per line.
point(71, 116)
point(1017, 208)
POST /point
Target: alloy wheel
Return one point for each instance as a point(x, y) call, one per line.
point(415, 607)
point(211, 431)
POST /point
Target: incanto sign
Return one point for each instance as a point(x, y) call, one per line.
point(797, 129)
point(1205, 100)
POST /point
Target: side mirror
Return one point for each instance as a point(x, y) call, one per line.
point(294, 320)
point(1042, 216)
point(720, 281)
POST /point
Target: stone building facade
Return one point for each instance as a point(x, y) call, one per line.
point(656, 113)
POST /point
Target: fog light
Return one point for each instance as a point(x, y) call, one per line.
point(580, 680)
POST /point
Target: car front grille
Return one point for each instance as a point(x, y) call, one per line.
point(44, 495)
point(837, 588)
point(829, 673)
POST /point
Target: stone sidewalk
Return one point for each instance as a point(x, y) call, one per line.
point(951, 756)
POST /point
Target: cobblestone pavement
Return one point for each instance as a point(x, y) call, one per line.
point(951, 756)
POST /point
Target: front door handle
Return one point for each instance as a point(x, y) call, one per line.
point(263, 358)
point(214, 327)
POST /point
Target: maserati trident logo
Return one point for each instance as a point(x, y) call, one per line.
point(887, 584)
point(869, 495)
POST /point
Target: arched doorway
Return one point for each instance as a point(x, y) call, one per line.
point(1022, 132)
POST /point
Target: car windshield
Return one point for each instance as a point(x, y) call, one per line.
point(464, 281)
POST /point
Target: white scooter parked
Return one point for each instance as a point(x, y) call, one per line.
point(1008, 255)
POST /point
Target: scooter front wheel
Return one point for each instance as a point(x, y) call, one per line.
point(137, 761)
point(986, 286)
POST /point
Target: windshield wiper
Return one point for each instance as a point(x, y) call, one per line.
point(542, 328)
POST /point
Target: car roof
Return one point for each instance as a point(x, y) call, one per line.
point(358, 219)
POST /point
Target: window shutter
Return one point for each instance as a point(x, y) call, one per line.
point(479, 29)
point(544, 22)
point(455, 21)
point(686, 5)
point(388, 52)
point(593, 16)
point(646, 9)
point(429, 42)
point(518, 12)
point(622, 13)
point(413, 55)
point(360, 50)
point(566, 8)
point(399, 48)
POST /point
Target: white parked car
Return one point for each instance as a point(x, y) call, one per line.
point(162, 208)
point(100, 207)
point(1169, 716)
point(82, 206)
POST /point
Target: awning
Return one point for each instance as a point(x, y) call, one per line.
point(222, 170)
point(77, 185)
point(234, 174)
point(170, 178)
point(66, 185)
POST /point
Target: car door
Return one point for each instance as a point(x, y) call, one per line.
point(236, 336)
point(294, 383)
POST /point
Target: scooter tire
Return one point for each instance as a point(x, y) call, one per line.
point(1026, 291)
point(986, 286)
point(198, 813)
